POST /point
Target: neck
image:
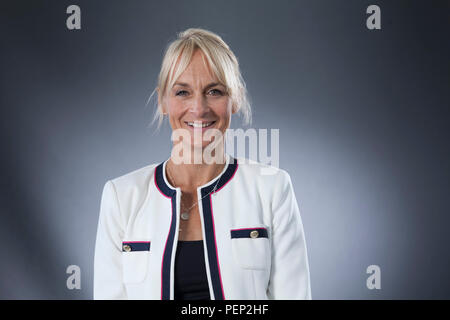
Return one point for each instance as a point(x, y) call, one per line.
point(189, 176)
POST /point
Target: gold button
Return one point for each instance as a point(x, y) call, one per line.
point(254, 234)
point(126, 248)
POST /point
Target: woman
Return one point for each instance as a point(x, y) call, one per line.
point(202, 224)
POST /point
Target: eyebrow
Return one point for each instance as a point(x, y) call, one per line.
point(213, 84)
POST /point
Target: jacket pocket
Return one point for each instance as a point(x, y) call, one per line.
point(251, 247)
point(135, 256)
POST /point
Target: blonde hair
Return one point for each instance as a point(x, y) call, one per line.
point(221, 59)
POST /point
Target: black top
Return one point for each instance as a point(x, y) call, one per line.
point(191, 282)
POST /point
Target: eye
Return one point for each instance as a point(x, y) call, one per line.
point(181, 93)
point(215, 92)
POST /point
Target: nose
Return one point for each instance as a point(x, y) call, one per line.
point(199, 106)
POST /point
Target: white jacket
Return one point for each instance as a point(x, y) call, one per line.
point(254, 242)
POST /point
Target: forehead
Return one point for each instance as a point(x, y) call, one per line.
point(198, 68)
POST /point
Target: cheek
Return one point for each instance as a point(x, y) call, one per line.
point(174, 109)
point(173, 105)
point(225, 110)
point(225, 120)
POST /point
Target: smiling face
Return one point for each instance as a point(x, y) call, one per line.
point(198, 102)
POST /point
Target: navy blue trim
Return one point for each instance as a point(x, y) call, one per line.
point(225, 177)
point(169, 192)
point(137, 246)
point(208, 220)
point(167, 255)
point(245, 233)
point(211, 246)
point(161, 183)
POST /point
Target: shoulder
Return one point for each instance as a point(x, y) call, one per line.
point(135, 177)
point(261, 172)
point(267, 179)
point(134, 183)
point(272, 183)
point(129, 190)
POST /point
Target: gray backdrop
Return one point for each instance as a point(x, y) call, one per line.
point(363, 118)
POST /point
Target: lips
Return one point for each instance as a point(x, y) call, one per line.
point(200, 124)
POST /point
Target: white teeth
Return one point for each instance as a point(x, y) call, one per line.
point(199, 124)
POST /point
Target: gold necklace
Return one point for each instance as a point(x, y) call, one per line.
point(185, 213)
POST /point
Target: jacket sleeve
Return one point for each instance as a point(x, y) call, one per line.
point(108, 248)
point(289, 277)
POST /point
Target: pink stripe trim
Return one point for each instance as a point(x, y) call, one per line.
point(237, 166)
point(258, 228)
point(136, 242)
point(215, 243)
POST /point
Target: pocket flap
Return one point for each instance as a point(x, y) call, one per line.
point(249, 233)
point(128, 246)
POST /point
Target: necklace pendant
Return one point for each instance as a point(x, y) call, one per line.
point(184, 216)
